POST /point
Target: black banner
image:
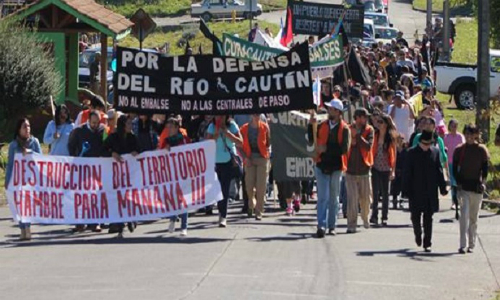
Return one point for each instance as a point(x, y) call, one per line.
point(292, 153)
point(320, 19)
point(204, 84)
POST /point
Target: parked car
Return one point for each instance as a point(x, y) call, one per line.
point(379, 19)
point(385, 34)
point(368, 29)
point(213, 9)
point(460, 80)
point(85, 59)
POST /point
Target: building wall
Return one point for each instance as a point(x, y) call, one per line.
point(58, 42)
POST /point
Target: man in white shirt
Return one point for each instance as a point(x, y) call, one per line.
point(403, 115)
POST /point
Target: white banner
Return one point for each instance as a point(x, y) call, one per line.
point(76, 190)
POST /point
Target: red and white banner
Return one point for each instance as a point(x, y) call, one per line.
point(76, 190)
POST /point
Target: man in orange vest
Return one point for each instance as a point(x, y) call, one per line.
point(359, 162)
point(333, 140)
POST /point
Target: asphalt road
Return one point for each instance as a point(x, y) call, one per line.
point(277, 258)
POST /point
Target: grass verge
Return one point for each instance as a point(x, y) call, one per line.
point(272, 5)
point(156, 8)
point(159, 38)
point(466, 52)
point(458, 6)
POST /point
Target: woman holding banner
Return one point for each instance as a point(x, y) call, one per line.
point(58, 131)
point(23, 143)
point(227, 136)
point(256, 142)
point(176, 138)
point(122, 141)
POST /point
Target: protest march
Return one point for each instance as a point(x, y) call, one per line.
point(323, 118)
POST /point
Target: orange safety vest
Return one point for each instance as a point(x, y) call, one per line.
point(391, 151)
point(324, 133)
point(262, 140)
point(366, 154)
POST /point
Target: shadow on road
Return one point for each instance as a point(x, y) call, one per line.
point(408, 253)
point(489, 216)
point(110, 241)
point(289, 237)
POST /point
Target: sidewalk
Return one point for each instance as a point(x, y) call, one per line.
point(277, 258)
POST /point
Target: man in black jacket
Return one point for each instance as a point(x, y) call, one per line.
point(393, 71)
point(423, 175)
point(87, 141)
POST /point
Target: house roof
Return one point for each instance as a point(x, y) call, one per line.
point(87, 11)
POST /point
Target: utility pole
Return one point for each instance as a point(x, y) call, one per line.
point(445, 54)
point(251, 15)
point(428, 28)
point(483, 69)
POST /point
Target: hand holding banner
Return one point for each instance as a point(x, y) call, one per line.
point(205, 84)
point(77, 190)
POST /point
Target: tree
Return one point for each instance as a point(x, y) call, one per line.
point(27, 73)
point(495, 26)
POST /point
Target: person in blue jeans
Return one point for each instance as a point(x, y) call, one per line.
point(333, 141)
point(227, 136)
point(23, 143)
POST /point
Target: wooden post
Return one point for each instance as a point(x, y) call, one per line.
point(104, 67)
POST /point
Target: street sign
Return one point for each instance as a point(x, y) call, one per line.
point(143, 25)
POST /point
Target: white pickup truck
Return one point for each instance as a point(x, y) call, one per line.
point(460, 80)
point(213, 9)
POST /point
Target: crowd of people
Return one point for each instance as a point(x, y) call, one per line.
point(394, 145)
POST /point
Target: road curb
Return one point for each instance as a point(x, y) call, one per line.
point(490, 203)
point(424, 10)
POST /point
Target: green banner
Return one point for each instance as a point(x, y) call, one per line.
point(326, 54)
point(242, 49)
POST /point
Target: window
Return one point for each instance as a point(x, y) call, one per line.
point(386, 34)
point(495, 64)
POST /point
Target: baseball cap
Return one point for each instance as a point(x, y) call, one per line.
point(335, 103)
point(399, 93)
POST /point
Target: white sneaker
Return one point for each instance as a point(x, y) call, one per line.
point(184, 232)
point(222, 222)
point(171, 227)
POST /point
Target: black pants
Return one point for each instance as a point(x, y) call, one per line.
point(224, 173)
point(380, 186)
point(307, 187)
point(244, 191)
point(416, 218)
